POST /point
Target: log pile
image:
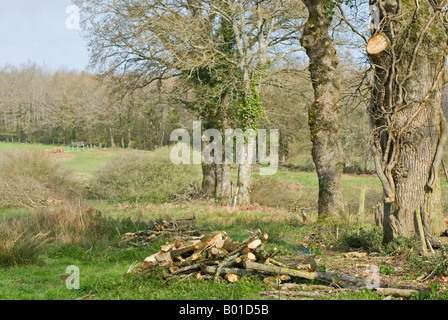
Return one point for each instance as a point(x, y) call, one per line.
point(217, 257)
point(158, 230)
point(209, 256)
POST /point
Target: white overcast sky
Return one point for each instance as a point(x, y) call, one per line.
point(35, 31)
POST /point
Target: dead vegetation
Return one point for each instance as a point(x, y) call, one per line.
point(158, 230)
point(23, 239)
point(287, 195)
point(32, 179)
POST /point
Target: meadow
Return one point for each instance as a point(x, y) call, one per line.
point(38, 243)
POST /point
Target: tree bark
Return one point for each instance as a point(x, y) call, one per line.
point(244, 180)
point(323, 113)
point(223, 187)
point(407, 122)
point(245, 168)
point(208, 178)
point(223, 174)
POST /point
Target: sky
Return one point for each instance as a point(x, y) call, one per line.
point(42, 32)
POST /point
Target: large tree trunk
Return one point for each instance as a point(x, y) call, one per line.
point(208, 180)
point(244, 181)
point(223, 173)
point(408, 125)
point(208, 173)
point(323, 113)
point(223, 187)
point(245, 168)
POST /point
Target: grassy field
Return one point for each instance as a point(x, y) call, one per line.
point(103, 265)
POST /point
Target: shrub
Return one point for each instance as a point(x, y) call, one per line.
point(402, 246)
point(18, 245)
point(276, 193)
point(362, 238)
point(136, 173)
point(24, 238)
point(432, 266)
point(34, 179)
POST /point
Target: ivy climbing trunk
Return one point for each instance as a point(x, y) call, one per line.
point(407, 122)
point(323, 113)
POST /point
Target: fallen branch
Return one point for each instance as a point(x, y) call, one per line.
point(339, 279)
point(291, 293)
point(401, 293)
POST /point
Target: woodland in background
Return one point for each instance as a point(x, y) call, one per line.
point(39, 105)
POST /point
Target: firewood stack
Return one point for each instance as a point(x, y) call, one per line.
point(214, 256)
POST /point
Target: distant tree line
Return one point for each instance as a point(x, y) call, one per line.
point(38, 105)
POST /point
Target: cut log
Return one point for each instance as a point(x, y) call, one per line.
point(276, 293)
point(306, 267)
point(230, 245)
point(172, 269)
point(166, 247)
point(211, 242)
point(231, 277)
point(194, 257)
point(220, 243)
point(246, 242)
point(302, 287)
point(254, 244)
point(181, 251)
point(178, 243)
point(338, 279)
point(149, 262)
point(193, 267)
point(277, 263)
point(251, 256)
point(238, 271)
point(377, 44)
point(285, 277)
point(218, 253)
point(279, 270)
point(229, 261)
point(163, 257)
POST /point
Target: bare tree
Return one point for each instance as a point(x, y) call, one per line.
point(151, 40)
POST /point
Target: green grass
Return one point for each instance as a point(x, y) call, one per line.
point(83, 162)
point(86, 162)
point(103, 272)
point(20, 146)
point(103, 266)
